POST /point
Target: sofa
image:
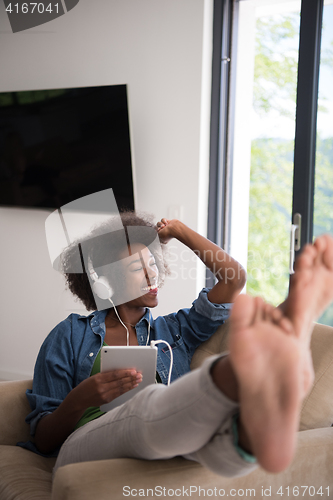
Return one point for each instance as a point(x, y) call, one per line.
point(27, 476)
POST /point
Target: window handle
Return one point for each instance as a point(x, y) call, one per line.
point(295, 240)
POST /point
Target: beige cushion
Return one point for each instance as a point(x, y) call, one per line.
point(24, 475)
point(217, 343)
point(317, 410)
point(14, 408)
point(105, 479)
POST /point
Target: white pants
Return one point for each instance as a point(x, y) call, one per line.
point(190, 418)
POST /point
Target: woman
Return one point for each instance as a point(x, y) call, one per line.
point(68, 388)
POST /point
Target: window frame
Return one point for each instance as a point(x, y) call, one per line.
point(306, 115)
point(219, 180)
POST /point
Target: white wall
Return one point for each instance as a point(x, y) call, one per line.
point(162, 50)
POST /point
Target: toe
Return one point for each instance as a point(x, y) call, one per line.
point(286, 325)
point(328, 252)
point(243, 311)
point(307, 257)
point(268, 312)
point(320, 244)
point(260, 309)
point(277, 314)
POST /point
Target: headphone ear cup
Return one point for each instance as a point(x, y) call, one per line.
point(101, 287)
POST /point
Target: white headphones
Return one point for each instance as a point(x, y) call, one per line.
point(101, 286)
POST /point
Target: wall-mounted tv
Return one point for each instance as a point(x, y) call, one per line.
point(59, 145)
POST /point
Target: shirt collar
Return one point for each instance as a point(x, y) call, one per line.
point(97, 321)
point(145, 318)
point(98, 318)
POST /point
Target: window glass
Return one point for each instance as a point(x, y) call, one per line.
point(265, 76)
point(323, 200)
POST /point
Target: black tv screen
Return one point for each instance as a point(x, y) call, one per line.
point(59, 145)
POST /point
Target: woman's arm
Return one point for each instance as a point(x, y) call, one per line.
point(53, 429)
point(230, 274)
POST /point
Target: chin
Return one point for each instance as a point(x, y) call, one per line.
point(144, 301)
point(151, 302)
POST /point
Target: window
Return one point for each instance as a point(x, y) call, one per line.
point(269, 164)
point(265, 73)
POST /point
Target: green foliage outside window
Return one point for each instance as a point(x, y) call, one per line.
point(269, 219)
point(275, 79)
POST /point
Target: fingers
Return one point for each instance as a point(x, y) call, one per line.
point(102, 388)
point(120, 385)
point(118, 374)
point(110, 385)
point(162, 223)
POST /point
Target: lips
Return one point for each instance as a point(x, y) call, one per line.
point(150, 290)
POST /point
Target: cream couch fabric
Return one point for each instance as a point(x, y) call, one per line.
point(27, 476)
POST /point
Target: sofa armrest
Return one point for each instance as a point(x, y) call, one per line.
point(14, 407)
point(317, 407)
point(114, 479)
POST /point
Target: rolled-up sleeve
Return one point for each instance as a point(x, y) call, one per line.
point(214, 312)
point(37, 403)
point(198, 323)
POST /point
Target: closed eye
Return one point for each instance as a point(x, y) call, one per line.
point(151, 264)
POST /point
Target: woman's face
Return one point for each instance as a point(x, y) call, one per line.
point(140, 275)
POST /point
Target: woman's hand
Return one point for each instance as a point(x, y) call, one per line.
point(230, 274)
point(105, 387)
point(53, 429)
point(167, 229)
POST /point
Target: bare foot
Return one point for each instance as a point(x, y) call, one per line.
point(311, 288)
point(271, 359)
point(268, 359)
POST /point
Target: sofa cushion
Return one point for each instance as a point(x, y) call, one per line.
point(13, 410)
point(107, 479)
point(24, 475)
point(217, 343)
point(317, 408)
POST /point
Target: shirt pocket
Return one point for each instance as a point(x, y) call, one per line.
point(177, 343)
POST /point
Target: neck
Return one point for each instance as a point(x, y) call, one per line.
point(129, 315)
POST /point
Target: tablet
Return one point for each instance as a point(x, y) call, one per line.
point(139, 357)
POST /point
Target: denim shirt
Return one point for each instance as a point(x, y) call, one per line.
point(68, 353)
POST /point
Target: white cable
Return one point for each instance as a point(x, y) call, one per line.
point(127, 332)
point(148, 327)
point(153, 342)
